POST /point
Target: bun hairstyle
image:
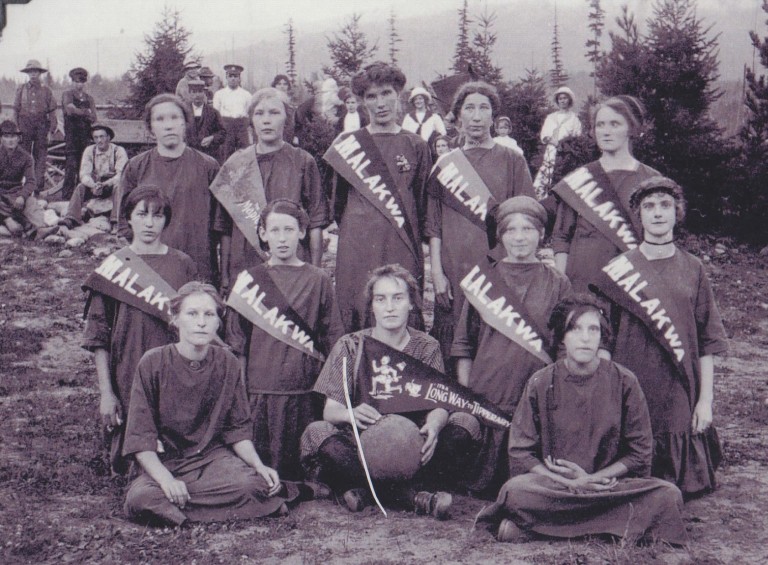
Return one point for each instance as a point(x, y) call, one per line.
point(567, 312)
point(476, 87)
point(629, 107)
point(195, 287)
point(655, 185)
point(378, 73)
point(283, 206)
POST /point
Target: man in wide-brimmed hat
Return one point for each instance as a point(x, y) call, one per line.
point(20, 212)
point(191, 72)
point(79, 113)
point(100, 171)
point(35, 112)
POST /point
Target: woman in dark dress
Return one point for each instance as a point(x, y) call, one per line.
point(119, 334)
point(456, 241)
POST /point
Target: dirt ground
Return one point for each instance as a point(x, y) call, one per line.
point(59, 505)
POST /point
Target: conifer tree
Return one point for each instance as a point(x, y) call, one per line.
point(596, 23)
point(290, 63)
point(349, 51)
point(462, 55)
point(557, 76)
point(479, 54)
point(394, 37)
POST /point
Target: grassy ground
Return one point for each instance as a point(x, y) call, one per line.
point(59, 505)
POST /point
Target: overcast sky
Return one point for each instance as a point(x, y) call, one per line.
point(49, 29)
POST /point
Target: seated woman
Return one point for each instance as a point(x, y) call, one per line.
point(580, 447)
point(328, 447)
point(190, 430)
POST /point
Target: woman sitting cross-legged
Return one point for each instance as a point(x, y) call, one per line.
point(328, 447)
point(190, 430)
point(580, 447)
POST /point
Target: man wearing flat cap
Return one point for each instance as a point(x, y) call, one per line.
point(20, 211)
point(79, 113)
point(212, 82)
point(231, 103)
point(35, 112)
point(191, 72)
point(100, 171)
point(205, 131)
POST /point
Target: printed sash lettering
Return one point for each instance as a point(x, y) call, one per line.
point(256, 297)
point(239, 188)
point(461, 187)
point(359, 161)
point(487, 293)
point(394, 382)
point(125, 277)
point(589, 191)
point(630, 284)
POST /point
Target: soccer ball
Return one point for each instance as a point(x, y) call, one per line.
point(392, 448)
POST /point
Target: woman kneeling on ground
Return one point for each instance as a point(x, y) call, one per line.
point(580, 447)
point(190, 429)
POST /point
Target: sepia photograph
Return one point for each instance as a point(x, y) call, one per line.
point(383, 281)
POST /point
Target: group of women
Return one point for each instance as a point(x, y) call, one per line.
point(603, 361)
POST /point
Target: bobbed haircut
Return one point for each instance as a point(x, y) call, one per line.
point(161, 99)
point(568, 311)
point(196, 287)
point(262, 94)
point(278, 78)
point(659, 185)
point(628, 106)
point(476, 87)
point(153, 198)
point(393, 271)
point(378, 73)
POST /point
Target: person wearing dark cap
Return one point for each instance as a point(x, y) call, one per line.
point(212, 82)
point(205, 132)
point(191, 72)
point(35, 112)
point(668, 328)
point(100, 171)
point(79, 113)
point(501, 337)
point(231, 103)
point(20, 212)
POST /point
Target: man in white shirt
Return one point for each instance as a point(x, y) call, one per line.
point(100, 170)
point(231, 103)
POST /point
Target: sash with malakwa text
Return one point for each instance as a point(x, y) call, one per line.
point(240, 190)
point(487, 292)
point(589, 191)
point(359, 161)
point(256, 297)
point(461, 188)
point(125, 277)
point(393, 382)
point(631, 285)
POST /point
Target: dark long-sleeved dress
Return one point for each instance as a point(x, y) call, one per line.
point(588, 249)
point(366, 238)
point(463, 244)
point(127, 333)
point(196, 410)
point(279, 378)
point(500, 367)
point(594, 421)
point(185, 181)
point(680, 456)
point(290, 173)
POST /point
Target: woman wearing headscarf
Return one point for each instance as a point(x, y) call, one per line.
point(558, 125)
point(456, 214)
